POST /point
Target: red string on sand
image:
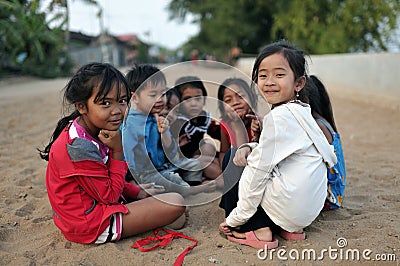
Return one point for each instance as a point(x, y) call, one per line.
point(162, 241)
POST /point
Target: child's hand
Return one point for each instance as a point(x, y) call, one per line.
point(255, 127)
point(149, 189)
point(162, 123)
point(183, 140)
point(111, 138)
point(231, 114)
point(224, 228)
point(172, 116)
point(241, 155)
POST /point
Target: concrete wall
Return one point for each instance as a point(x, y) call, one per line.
point(373, 74)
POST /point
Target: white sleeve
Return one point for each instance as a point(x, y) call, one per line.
point(276, 143)
point(251, 145)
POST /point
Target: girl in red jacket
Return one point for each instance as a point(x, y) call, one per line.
point(86, 168)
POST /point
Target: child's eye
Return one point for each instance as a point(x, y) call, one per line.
point(106, 103)
point(123, 101)
point(227, 100)
point(262, 76)
point(280, 75)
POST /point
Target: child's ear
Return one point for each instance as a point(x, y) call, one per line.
point(135, 97)
point(81, 107)
point(300, 83)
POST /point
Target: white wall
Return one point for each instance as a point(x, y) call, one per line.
point(373, 74)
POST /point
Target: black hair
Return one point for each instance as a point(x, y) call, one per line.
point(252, 101)
point(295, 58)
point(139, 75)
point(169, 93)
point(318, 99)
point(189, 81)
point(80, 88)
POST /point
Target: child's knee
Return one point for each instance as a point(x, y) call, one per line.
point(207, 147)
point(176, 200)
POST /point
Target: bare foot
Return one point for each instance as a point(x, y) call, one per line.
point(264, 234)
point(238, 235)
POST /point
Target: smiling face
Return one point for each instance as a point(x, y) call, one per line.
point(150, 99)
point(108, 113)
point(237, 99)
point(276, 80)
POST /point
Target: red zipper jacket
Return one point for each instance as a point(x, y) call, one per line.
point(84, 192)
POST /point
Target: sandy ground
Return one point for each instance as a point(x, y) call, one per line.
point(370, 218)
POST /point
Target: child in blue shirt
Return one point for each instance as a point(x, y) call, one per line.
point(148, 145)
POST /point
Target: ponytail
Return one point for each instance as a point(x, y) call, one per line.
point(324, 102)
point(61, 125)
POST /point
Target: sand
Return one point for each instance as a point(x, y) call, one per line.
point(369, 218)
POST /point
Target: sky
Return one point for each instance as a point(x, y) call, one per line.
point(147, 19)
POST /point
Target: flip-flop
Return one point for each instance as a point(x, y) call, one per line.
point(292, 236)
point(252, 241)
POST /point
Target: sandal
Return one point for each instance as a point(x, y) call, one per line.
point(252, 241)
point(292, 236)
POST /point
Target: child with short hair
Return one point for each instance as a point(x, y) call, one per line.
point(192, 123)
point(148, 145)
point(85, 172)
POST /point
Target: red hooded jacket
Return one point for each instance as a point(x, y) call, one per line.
point(84, 192)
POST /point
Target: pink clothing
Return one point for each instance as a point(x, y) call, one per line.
point(227, 130)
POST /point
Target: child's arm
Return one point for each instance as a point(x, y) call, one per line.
point(242, 153)
point(214, 130)
point(130, 190)
point(325, 131)
point(163, 128)
point(106, 182)
point(225, 145)
point(113, 140)
point(255, 126)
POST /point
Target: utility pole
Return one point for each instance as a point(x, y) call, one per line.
point(104, 51)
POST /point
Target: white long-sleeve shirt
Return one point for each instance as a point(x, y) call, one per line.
point(286, 174)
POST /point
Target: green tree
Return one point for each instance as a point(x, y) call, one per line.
point(225, 24)
point(28, 44)
point(337, 26)
point(319, 26)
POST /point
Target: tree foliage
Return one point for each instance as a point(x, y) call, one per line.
point(319, 26)
point(338, 26)
point(28, 44)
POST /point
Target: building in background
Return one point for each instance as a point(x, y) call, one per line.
point(119, 50)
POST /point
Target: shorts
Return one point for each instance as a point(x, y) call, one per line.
point(113, 232)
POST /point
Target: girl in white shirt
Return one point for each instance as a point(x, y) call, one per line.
point(285, 173)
